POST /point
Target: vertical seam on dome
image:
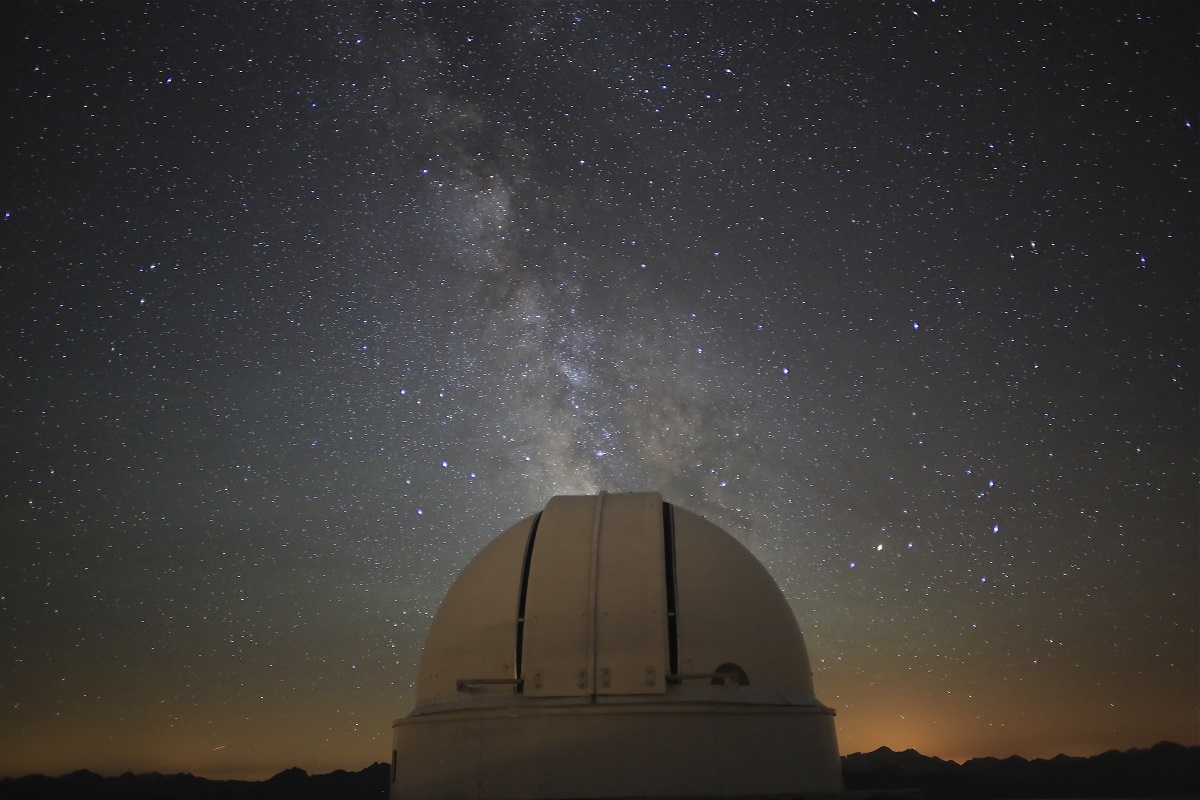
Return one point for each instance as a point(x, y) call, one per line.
point(672, 602)
point(524, 588)
point(589, 680)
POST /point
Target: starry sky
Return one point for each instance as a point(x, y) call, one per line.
point(302, 304)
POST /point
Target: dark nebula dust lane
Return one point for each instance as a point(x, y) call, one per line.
point(303, 304)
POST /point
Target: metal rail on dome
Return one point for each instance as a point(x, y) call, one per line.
point(730, 679)
point(465, 684)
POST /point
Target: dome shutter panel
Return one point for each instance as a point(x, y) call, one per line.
point(631, 596)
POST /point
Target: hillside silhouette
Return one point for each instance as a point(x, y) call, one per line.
point(291, 784)
point(1164, 770)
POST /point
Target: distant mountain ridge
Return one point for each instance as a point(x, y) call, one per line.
point(1164, 770)
point(291, 784)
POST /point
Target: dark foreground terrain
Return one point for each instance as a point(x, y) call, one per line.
point(1165, 770)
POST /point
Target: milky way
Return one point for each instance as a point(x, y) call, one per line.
point(303, 304)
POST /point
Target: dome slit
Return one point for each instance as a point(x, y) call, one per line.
point(669, 564)
point(524, 587)
point(588, 677)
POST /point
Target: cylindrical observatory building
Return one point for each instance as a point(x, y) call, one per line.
point(614, 646)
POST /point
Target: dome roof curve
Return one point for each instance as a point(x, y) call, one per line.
point(617, 598)
point(614, 646)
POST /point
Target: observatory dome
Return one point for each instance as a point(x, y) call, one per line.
point(614, 646)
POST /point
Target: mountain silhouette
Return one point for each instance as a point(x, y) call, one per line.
point(1164, 770)
point(293, 784)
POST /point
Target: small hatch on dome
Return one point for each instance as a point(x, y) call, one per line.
point(730, 673)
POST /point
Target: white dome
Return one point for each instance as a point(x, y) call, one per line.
point(581, 628)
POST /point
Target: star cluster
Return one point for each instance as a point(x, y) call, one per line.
point(304, 303)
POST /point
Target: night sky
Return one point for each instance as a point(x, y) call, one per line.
point(302, 304)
